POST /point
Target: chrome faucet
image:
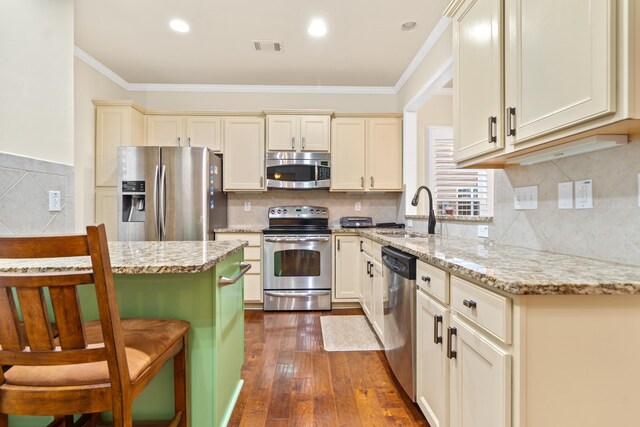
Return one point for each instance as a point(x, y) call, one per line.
point(432, 216)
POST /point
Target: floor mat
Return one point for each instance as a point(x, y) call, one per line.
point(348, 333)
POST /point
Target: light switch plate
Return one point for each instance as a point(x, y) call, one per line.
point(584, 194)
point(565, 195)
point(525, 197)
point(55, 204)
point(409, 223)
point(483, 231)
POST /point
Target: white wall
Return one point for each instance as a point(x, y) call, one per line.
point(89, 85)
point(36, 79)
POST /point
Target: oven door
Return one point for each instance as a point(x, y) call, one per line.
point(297, 262)
point(297, 174)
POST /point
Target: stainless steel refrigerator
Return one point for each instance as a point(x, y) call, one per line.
point(169, 193)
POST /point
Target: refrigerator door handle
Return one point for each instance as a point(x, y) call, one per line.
point(163, 201)
point(155, 200)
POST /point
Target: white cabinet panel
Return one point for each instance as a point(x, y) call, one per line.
point(347, 267)
point(165, 131)
point(244, 154)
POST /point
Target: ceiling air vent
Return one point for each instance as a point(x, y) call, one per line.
point(267, 45)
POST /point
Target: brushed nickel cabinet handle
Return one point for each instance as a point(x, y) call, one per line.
point(470, 303)
point(224, 281)
point(338, 242)
point(491, 122)
point(179, 142)
point(362, 181)
point(437, 338)
point(262, 181)
point(293, 142)
point(189, 141)
point(371, 182)
point(511, 118)
point(303, 142)
point(451, 332)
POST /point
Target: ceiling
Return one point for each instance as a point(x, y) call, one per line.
point(364, 45)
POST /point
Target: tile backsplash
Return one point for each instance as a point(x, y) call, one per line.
point(610, 231)
point(381, 207)
point(24, 196)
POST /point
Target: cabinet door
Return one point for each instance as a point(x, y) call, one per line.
point(478, 92)
point(347, 267)
point(367, 282)
point(107, 210)
point(347, 154)
point(315, 133)
point(480, 380)
point(115, 126)
point(432, 365)
point(243, 154)
point(378, 286)
point(283, 133)
point(203, 131)
point(165, 131)
point(560, 63)
point(384, 155)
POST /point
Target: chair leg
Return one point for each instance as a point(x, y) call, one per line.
point(181, 383)
point(4, 420)
point(124, 418)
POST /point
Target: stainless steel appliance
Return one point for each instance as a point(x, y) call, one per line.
point(400, 317)
point(301, 171)
point(169, 193)
point(297, 259)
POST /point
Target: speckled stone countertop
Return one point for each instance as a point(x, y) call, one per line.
point(140, 258)
point(461, 218)
point(241, 229)
point(517, 270)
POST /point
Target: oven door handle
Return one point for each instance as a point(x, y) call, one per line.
point(303, 240)
point(296, 294)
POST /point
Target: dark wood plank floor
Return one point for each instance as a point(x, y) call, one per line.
point(291, 381)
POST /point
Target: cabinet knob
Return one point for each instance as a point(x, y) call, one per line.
point(469, 303)
point(426, 279)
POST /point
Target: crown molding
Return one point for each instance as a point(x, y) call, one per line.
point(446, 91)
point(100, 67)
point(426, 47)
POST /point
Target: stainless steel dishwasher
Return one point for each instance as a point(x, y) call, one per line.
point(400, 316)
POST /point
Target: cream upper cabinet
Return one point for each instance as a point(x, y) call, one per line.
point(384, 154)
point(116, 125)
point(185, 131)
point(480, 380)
point(366, 154)
point(298, 132)
point(107, 210)
point(477, 102)
point(244, 158)
point(560, 64)
point(165, 131)
point(347, 268)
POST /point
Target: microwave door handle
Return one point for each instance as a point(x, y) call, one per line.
point(316, 175)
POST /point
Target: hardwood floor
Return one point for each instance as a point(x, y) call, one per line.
point(291, 381)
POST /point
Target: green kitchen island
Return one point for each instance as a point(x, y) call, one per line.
point(178, 280)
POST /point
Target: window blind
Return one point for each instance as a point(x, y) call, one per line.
point(464, 192)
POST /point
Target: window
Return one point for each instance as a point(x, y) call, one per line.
point(461, 192)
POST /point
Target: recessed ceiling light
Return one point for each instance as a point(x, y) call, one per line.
point(317, 28)
point(179, 25)
point(408, 26)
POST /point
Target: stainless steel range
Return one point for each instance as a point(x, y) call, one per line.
point(297, 259)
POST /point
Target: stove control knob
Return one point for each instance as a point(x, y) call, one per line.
point(324, 211)
point(285, 211)
point(311, 211)
point(279, 211)
point(272, 211)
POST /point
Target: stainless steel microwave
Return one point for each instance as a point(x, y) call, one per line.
point(303, 171)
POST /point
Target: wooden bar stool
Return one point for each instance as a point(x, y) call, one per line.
point(73, 366)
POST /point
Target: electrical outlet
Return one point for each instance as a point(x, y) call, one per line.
point(483, 231)
point(565, 195)
point(525, 197)
point(409, 223)
point(247, 206)
point(584, 194)
point(358, 207)
point(55, 204)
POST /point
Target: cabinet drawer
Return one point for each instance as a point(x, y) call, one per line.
point(487, 309)
point(366, 245)
point(256, 266)
point(376, 251)
point(433, 281)
point(254, 239)
point(253, 253)
point(252, 287)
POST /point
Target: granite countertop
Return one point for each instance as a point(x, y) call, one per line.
point(140, 258)
point(239, 229)
point(517, 270)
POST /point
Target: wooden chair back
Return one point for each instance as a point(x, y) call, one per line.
point(28, 336)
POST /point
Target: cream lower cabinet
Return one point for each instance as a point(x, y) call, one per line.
point(373, 292)
point(107, 210)
point(366, 298)
point(432, 365)
point(244, 158)
point(252, 255)
point(379, 294)
point(366, 154)
point(347, 268)
point(185, 131)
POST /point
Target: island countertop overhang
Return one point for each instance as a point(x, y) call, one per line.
point(140, 258)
